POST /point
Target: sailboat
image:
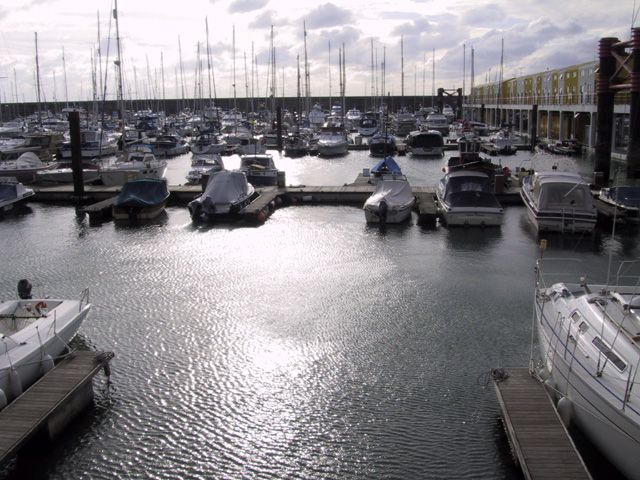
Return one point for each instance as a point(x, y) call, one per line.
point(136, 162)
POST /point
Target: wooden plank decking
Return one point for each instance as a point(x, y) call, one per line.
point(538, 437)
point(24, 417)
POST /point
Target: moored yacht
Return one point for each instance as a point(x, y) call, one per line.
point(139, 163)
point(621, 203)
point(260, 169)
point(559, 202)
point(466, 198)
point(391, 202)
point(227, 192)
point(589, 340)
point(12, 194)
point(427, 143)
point(332, 142)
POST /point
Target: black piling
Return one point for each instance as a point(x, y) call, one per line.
point(76, 155)
point(459, 103)
point(633, 152)
point(606, 96)
point(534, 126)
point(279, 127)
point(440, 100)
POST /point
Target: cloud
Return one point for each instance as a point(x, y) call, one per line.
point(244, 6)
point(328, 15)
point(490, 15)
point(266, 19)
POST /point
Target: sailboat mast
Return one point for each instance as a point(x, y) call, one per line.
point(472, 79)
point(252, 77)
point(66, 89)
point(330, 100)
point(38, 83)
point(118, 63)
point(181, 70)
point(99, 56)
point(206, 24)
point(402, 68)
point(233, 49)
point(307, 81)
point(164, 106)
point(344, 80)
point(433, 77)
point(373, 81)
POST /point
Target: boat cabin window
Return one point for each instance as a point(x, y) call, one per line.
point(575, 316)
point(583, 327)
point(610, 354)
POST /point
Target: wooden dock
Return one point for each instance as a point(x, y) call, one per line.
point(50, 403)
point(537, 435)
point(262, 206)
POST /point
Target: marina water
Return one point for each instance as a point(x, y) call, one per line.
point(312, 346)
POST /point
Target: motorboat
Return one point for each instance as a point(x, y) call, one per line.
point(207, 142)
point(141, 199)
point(332, 142)
point(391, 202)
point(470, 158)
point(589, 340)
point(382, 144)
point(65, 175)
point(448, 112)
point(479, 128)
point(139, 163)
point(621, 203)
point(93, 143)
point(12, 194)
point(296, 145)
point(466, 198)
point(425, 143)
point(168, 146)
point(559, 202)
point(34, 332)
point(260, 169)
point(44, 144)
point(204, 164)
point(24, 169)
point(352, 118)
point(12, 129)
point(403, 123)
point(316, 117)
point(368, 125)
point(438, 122)
point(227, 192)
point(504, 142)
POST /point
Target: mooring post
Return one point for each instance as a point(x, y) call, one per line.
point(633, 149)
point(605, 110)
point(76, 155)
point(279, 127)
point(482, 113)
point(533, 125)
point(440, 100)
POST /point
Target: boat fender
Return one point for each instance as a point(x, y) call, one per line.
point(46, 364)
point(40, 306)
point(261, 216)
point(15, 383)
point(3, 399)
point(107, 369)
point(564, 410)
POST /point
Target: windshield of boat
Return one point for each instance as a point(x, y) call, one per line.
point(469, 184)
point(427, 140)
point(564, 195)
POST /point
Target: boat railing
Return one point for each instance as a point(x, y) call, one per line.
point(541, 275)
point(84, 298)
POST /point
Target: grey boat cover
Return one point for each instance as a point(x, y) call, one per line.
point(143, 192)
point(394, 192)
point(226, 187)
point(10, 190)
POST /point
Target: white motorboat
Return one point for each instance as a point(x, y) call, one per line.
point(316, 117)
point(168, 146)
point(12, 194)
point(391, 202)
point(427, 143)
point(332, 142)
point(24, 168)
point(559, 202)
point(438, 122)
point(504, 142)
point(467, 198)
point(368, 125)
point(139, 164)
point(352, 118)
point(207, 142)
point(34, 331)
point(448, 112)
point(93, 143)
point(65, 175)
point(204, 164)
point(259, 169)
point(227, 192)
point(589, 339)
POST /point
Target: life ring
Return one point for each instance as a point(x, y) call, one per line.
point(39, 306)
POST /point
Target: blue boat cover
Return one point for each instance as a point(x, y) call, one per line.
point(144, 192)
point(386, 165)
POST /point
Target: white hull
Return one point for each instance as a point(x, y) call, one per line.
point(332, 150)
point(120, 176)
point(211, 148)
point(93, 152)
point(65, 175)
point(560, 221)
point(30, 356)
point(464, 217)
point(606, 424)
point(427, 152)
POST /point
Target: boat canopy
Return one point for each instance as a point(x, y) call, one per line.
point(144, 192)
point(394, 192)
point(386, 165)
point(226, 186)
point(562, 191)
point(628, 196)
point(11, 190)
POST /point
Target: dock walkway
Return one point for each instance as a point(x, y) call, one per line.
point(50, 402)
point(538, 437)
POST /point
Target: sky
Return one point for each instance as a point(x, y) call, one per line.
point(159, 41)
